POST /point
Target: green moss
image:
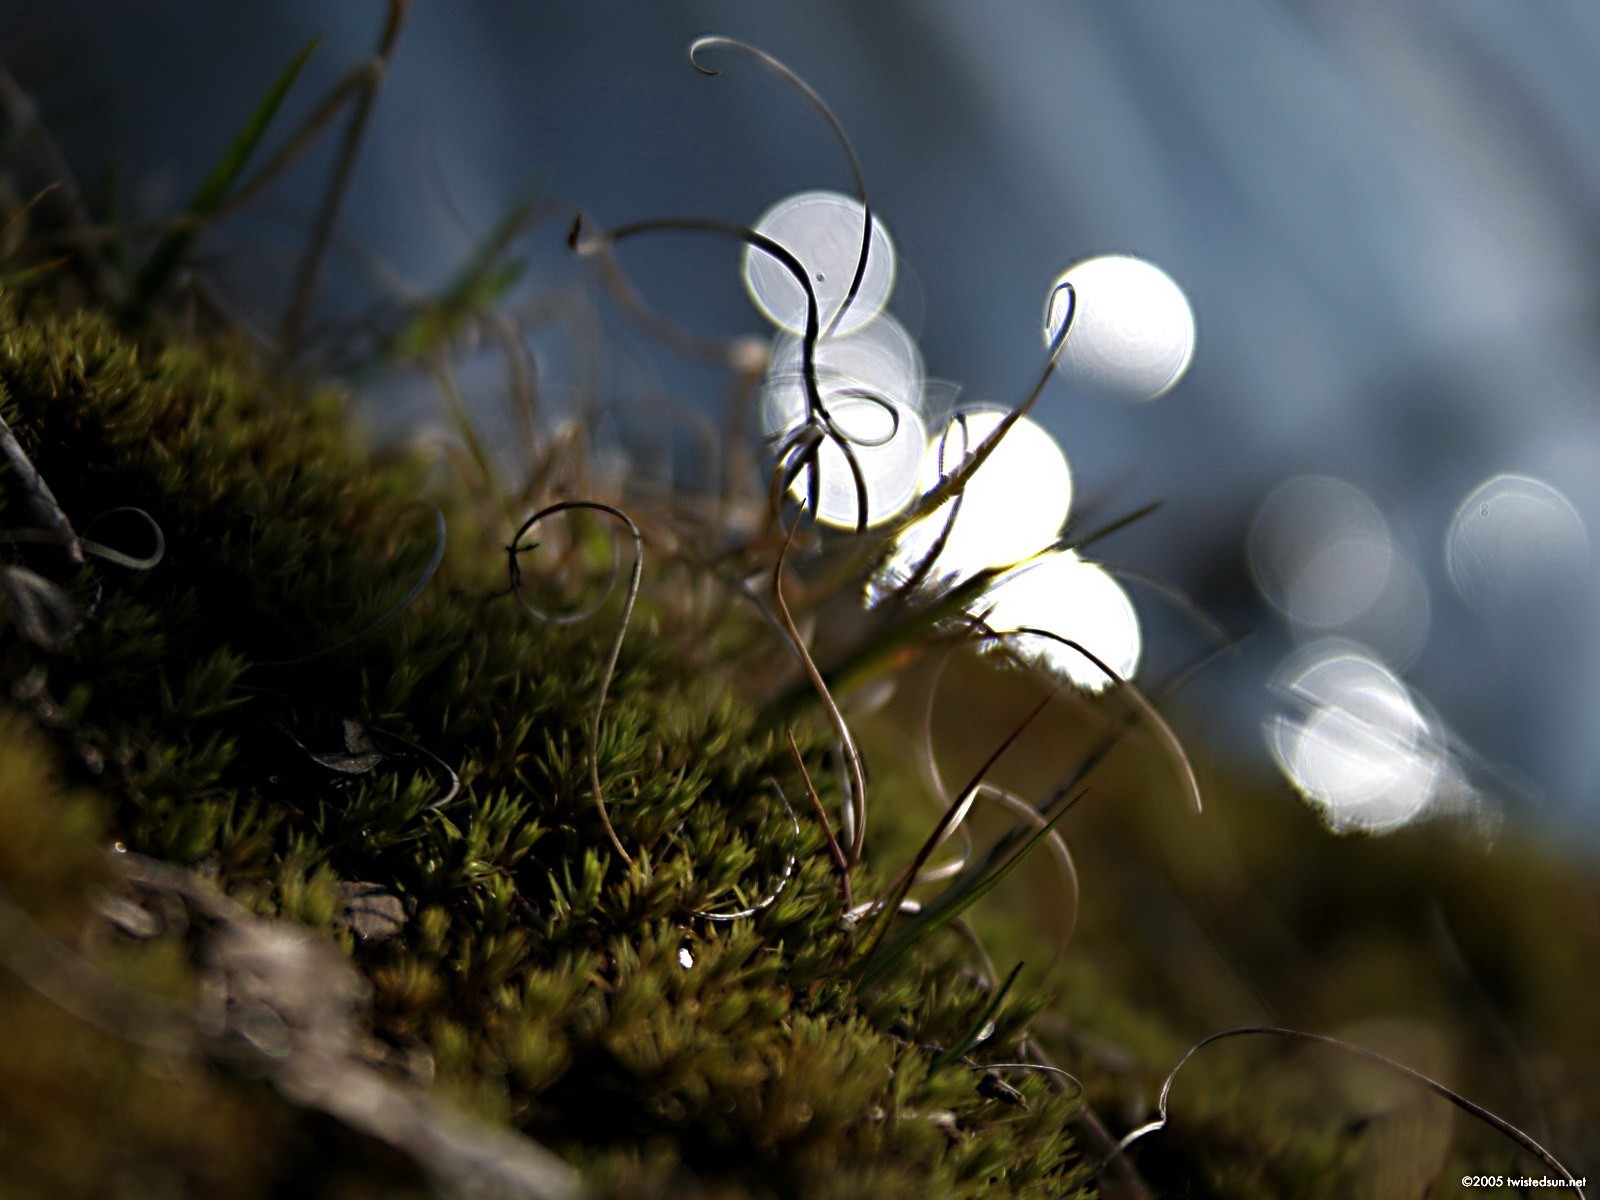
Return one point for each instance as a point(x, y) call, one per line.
point(538, 973)
point(246, 711)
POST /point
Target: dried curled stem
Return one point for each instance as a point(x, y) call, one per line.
point(856, 775)
point(587, 242)
point(635, 577)
point(793, 79)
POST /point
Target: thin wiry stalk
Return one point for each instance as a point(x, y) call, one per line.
point(454, 776)
point(1179, 679)
point(1533, 1094)
point(1179, 598)
point(635, 579)
point(924, 567)
point(858, 177)
point(776, 890)
point(1136, 697)
point(311, 262)
point(523, 372)
point(935, 776)
point(632, 302)
point(1066, 795)
point(975, 1034)
point(957, 479)
point(461, 417)
point(441, 537)
point(841, 728)
point(1499, 1125)
point(816, 411)
point(15, 218)
point(1019, 807)
point(974, 884)
point(952, 817)
point(840, 863)
point(359, 78)
point(802, 453)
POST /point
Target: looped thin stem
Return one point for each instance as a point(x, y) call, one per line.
point(584, 242)
point(635, 576)
point(147, 562)
point(793, 79)
point(952, 484)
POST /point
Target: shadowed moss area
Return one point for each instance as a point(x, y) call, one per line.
point(243, 710)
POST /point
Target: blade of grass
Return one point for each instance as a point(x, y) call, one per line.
point(969, 887)
point(164, 259)
point(975, 1035)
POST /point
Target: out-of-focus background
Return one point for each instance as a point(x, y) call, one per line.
point(1386, 217)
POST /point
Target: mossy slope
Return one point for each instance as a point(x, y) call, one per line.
point(539, 980)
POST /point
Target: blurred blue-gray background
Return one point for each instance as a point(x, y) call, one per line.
point(1386, 214)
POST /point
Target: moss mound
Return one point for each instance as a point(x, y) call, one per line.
point(415, 790)
point(304, 891)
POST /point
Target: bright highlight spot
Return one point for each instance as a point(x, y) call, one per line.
point(1132, 328)
point(1512, 538)
point(1012, 507)
point(823, 231)
point(1359, 747)
point(1073, 599)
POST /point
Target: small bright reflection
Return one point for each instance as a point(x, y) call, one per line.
point(1320, 551)
point(880, 358)
point(1359, 747)
point(1074, 599)
point(1511, 538)
point(1012, 507)
point(685, 957)
point(1132, 328)
point(823, 231)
